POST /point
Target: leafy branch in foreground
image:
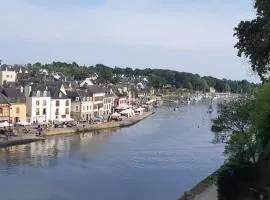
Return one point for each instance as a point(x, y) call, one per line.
point(234, 127)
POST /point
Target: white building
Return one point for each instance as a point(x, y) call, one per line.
point(7, 76)
point(60, 106)
point(87, 82)
point(38, 104)
point(212, 90)
point(82, 107)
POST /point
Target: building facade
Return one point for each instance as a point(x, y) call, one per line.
point(7, 76)
point(38, 103)
point(60, 106)
point(82, 107)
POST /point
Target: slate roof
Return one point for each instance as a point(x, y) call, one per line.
point(78, 93)
point(13, 95)
point(95, 89)
point(54, 92)
point(3, 99)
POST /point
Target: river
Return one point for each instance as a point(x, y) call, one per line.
point(157, 159)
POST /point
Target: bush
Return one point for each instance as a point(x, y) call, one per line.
point(233, 178)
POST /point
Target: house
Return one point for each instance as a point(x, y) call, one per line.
point(212, 90)
point(108, 102)
point(82, 107)
point(7, 76)
point(60, 105)
point(17, 104)
point(120, 102)
point(4, 108)
point(98, 94)
point(38, 103)
point(87, 82)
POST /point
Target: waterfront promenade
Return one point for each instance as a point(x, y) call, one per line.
point(22, 138)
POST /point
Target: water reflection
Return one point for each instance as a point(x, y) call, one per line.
point(46, 153)
point(158, 158)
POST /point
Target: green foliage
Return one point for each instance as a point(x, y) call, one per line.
point(157, 78)
point(261, 117)
point(234, 126)
point(231, 178)
point(254, 40)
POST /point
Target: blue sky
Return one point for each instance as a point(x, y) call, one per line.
point(184, 35)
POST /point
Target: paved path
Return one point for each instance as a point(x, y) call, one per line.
point(209, 194)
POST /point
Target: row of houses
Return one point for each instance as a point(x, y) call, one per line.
point(41, 99)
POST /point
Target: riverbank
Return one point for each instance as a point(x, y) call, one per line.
point(204, 190)
point(28, 138)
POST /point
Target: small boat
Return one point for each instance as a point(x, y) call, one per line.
point(210, 109)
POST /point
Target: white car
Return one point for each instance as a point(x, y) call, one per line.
point(23, 123)
point(5, 124)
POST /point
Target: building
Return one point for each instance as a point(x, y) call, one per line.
point(98, 94)
point(60, 105)
point(7, 76)
point(38, 103)
point(212, 90)
point(17, 104)
point(120, 102)
point(108, 102)
point(4, 108)
point(82, 107)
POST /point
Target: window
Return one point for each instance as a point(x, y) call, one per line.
point(67, 102)
point(83, 108)
point(83, 98)
point(77, 98)
point(44, 111)
point(44, 102)
point(56, 111)
point(37, 111)
point(87, 98)
point(77, 108)
point(98, 98)
point(17, 110)
point(87, 107)
point(57, 103)
point(38, 93)
point(7, 76)
point(67, 111)
point(44, 93)
point(37, 103)
point(1, 110)
point(10, 76)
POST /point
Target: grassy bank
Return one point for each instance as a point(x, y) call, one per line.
point(200, 187)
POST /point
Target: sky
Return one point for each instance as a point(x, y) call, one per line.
point(184, 35)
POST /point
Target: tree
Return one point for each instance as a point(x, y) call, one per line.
point(234, 126)
point(254, 39)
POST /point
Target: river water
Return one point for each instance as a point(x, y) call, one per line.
point(158, 158)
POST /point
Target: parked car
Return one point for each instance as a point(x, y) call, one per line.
point(23, 123)
point(4, 124)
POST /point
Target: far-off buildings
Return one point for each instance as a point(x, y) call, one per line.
point(7, 76)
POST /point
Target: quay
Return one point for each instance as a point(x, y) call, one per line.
point(28, 138)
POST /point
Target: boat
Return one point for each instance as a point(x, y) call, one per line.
point(210, 109)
